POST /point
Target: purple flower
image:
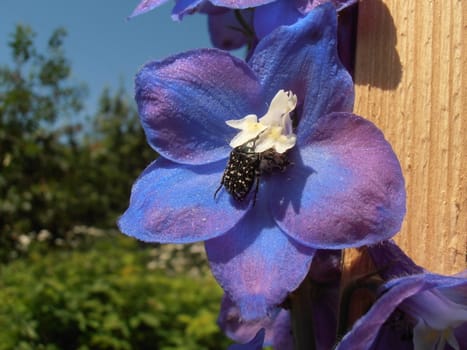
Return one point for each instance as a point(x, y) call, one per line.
point(277, 328)
point(255, 344)
point(224, 27)
point(343, 185)
point(184, 7)
point(419, 310)
point(286, 12)
point(324, 276)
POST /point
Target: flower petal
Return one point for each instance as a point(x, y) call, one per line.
point(239, 4)
point(386, 254)
point(278, 327)
point(185, 7)
point(275, 14)
point(303, 58)
point(461, 335)
point(225, 31)
point(255, 344)
point(344, 187)
point(256, 264)
point(185, 100)
point(395, 333)
point(146, 6)
point(325, 277)
point(171, 203)
point(366, 329)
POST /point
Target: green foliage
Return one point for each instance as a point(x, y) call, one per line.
point(53, 176)
point(105, 298)
point(116, 153)
point(59, 181)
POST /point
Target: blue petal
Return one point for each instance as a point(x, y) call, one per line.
point(146, 6)
point(461, 335)
point(344, 187)
point(394, 334)
point(384, 255)
point(184, 101)
point(446, 284)
point(325, 276)
point(255, 344)
point(239, 4)
point(303, 58)
point(171, 203)
point(365, 331)
point(224, 30)
point(278, 327)
point(392, 263)
point(270, 16)
point(185, 7)
point(256, 264)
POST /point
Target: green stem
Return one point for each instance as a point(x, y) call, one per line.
point(302, 317)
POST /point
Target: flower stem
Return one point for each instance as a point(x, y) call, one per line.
point(302, 317)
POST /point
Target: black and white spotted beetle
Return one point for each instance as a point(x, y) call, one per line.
point(245, 167)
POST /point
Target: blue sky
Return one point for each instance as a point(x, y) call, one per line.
point(104, 48)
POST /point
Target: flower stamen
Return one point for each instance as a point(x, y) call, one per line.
point(273, 130)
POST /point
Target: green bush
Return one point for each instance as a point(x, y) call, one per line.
point(107, 297)
point(59, 170)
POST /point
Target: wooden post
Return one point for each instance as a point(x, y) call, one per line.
point(411, 81)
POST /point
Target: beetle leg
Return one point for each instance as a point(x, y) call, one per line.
point(220, 186)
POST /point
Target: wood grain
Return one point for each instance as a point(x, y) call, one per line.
point(411, 81)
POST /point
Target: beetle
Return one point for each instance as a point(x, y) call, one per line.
point(245, 167)
point(242, 171)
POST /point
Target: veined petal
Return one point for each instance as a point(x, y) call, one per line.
point(461, 335)
point(437, 315)
point(225, 31)
point(250, 129)
point(306, 6)
point(255, 344)
point(383, 255)
point(185, 7)
point(344, 187)
point(394, 334)
point(171, 203)
point(365, 331)
point(274, 138)
point(426, 338)
point(278, 327)
point(303, 58)
point(251, 259)
point(239, 4)
point(273, 130)
point(277, 13)
point(437, 311)
point(184, 101)
point(278, 113)
point(146, 6)
point(404, 293)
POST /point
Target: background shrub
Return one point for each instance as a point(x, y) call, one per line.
point(109, 297)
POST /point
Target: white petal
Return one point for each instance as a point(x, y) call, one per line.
point(281, 105)
point(285, 143)
point(273, 130)
point(250, 129)
point(451, 339)
point(424, 338)
point(244, 122)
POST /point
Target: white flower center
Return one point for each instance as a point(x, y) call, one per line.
point(272, 130)
point(437, 317)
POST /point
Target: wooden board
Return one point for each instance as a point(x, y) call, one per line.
point(411, 81)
